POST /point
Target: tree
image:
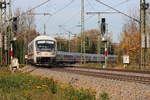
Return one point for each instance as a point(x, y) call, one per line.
point(25, 34)
point(91, 37)
point(62, 44)
point(130, 43)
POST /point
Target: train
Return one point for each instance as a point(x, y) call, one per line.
point(43, 51)
point(72, 57)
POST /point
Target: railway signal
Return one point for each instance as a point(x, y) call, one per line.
point(104, 39)
point(103, 27)
point(15, 24)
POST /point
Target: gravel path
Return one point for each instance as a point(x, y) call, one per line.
point(117, 90)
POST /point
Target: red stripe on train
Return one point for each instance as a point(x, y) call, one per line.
point(30, 54)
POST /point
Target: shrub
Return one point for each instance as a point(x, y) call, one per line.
point(73, 94)
point(104, 96)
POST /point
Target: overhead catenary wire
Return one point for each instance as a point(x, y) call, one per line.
point(61, 9)
point(43, 3)
point(73, 16)
point(117, 11)
point(121, 3)
point(90, 4)
point(116, 5)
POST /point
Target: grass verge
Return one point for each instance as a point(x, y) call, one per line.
point(18, 86)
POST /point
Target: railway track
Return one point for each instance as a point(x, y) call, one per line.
point(142, 77)
point(129, 76)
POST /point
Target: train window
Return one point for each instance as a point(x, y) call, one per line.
point(45, 45)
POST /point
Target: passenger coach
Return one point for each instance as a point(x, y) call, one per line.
point(42, 50)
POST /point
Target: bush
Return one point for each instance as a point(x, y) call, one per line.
point(81, 94)
point(104, 96)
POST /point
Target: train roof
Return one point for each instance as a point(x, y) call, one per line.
point(44, 37)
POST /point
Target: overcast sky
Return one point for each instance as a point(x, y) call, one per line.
point(69, 15)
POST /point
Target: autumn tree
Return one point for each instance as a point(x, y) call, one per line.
point(130, 43)
point(26, 25)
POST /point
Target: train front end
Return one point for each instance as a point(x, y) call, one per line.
point(45, 51)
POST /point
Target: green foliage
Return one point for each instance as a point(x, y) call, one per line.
point(90, 40)
point(53, 86)
point(129, 67)
point(71, 94)
point(18, 86)
point(19, 51)
point(63, 45)
point(104, 96)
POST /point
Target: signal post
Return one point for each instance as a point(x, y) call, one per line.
point(104, 40)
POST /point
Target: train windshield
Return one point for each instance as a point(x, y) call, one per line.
point(45, 45)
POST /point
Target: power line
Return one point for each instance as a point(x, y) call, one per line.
point(34, 8)
point(117, 10)
point(74, 15)
point(123, 2)
point(90, 4)
point(77, 13)
point(59, 10)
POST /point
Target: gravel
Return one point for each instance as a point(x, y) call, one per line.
point(117, 90)
point(112, 72)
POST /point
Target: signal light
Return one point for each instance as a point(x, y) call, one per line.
point(103, 27)
point(15, 24)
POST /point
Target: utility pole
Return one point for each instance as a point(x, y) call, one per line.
point(82, 33)
point(10, 50)
point(1, 51)
point(69, 42)
point(144, 43)
point(98, 40)
point(3, 5)
point(5, 34)
point(44, 29)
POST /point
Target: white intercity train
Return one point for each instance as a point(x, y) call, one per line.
point(42, 50)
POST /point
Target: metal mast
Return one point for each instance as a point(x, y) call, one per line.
point(144, 38)
point(10, 29)
point(3, 30)
point(5, 37)
point(44, 29)
point(1, 33)
point(82, 33)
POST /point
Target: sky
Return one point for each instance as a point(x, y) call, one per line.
point(66, 13)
